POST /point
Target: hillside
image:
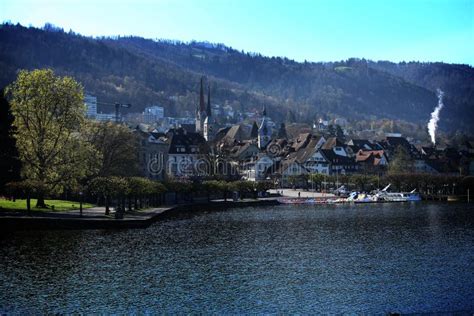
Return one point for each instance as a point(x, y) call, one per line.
point(142, 72)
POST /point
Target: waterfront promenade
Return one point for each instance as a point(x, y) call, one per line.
point(95, 218)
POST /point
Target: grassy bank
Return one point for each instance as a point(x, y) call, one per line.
point(59, 205)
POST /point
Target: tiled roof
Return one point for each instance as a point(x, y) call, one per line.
point(301, 141)
point(373, 157)
point(335, 159)
point(332, 142)
point(181, 139)
point(305, 153)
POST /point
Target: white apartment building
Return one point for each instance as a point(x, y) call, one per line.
point(91, 104)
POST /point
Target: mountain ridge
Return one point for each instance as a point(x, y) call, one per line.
point(143, 71)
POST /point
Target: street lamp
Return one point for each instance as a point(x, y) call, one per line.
point(80, 203)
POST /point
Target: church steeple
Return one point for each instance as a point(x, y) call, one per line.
point(209, 110)
point(264, 131)
point(201, 97)
point(201, 109)
point(209, 121)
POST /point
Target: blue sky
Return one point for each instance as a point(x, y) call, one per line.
point(315, 30)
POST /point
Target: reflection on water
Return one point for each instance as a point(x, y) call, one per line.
point(329, 259)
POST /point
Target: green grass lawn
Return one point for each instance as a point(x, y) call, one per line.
point(59, 205)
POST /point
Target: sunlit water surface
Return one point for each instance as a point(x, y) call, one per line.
point(375, 258)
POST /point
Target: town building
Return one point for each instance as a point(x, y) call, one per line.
point(105, 117)
point(91, 105)
point(152, 114)
point(153, 152)
point(264, 131)
point(372, 161)
point(257, 168)
point(186, 152)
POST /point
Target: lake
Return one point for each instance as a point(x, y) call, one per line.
point(377, 258)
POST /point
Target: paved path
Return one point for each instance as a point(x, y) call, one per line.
point(99, 212)
point(303, 193)
point(95, 213)
point(95, 218)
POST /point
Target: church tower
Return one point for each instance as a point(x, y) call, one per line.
point(201, 110)
point(209, 122)
point(264, 131)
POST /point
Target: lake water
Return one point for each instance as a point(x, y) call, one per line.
point(376, 258)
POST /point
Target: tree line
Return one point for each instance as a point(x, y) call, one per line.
point(427, 184)
point(53, 150)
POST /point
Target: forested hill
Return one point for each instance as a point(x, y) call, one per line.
point(143, 72)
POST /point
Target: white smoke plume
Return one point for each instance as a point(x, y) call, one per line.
point(433, 123)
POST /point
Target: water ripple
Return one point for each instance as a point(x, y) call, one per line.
point(301, 259)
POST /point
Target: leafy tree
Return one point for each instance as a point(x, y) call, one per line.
point(361, 181)
point(138, 188)
point(401, 161)
point(263, 186)
point(180, 187)
point(225, 187)
point(23, 189)
point(109, 188)
point(117, 148)
point(49, 115)
point(9, 160)
point(211, 186)
point(317, 180)
point(243, 187)
point(159, 189)
point(298, 180)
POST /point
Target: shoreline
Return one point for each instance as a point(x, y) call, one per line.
point(135, 219)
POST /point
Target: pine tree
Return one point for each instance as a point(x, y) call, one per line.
point(290, 117)
point(332, 130)
point(339, 132)
point(282, 131)
point(254, 131)
point(10, 164)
